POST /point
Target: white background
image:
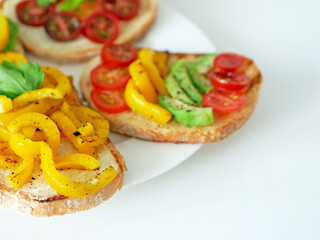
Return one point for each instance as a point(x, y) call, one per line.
point(267, 187)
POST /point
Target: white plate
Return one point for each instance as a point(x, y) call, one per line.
point(145, 160)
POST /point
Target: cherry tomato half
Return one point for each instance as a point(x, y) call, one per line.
point(64, 26)
point(223, 100)
point(109, 78)
point(30, 13)
point(102, 28)
point(228, 61)
point(229, 80)
point(110, 102)
point(118, 55)
point(124, 9)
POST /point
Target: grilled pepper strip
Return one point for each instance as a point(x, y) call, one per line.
point(23, 146)
point(100, 125)
point(5, 104)
point(4, 133)
point(14, 57)
point(146, 57)
point(71, 132)
point(62, 90)
point(66, 109)
point(140, 105)
point(65, 186)
point(38, 120)
point(42, 106)
point(77, 161)
point(22, 174)
point(142, 81)
point(86, 130)
point(160, 59)
point(33, 133)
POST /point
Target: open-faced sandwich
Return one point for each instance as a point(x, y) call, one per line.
point(8, 35)
point(167, 97)
point(55, 155)
point(75, 30)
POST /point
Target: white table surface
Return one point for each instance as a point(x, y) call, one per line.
point(260, 183)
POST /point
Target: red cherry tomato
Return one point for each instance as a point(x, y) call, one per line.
point(63, 26)
point(109, 78)
point(223, 100)
point(110, 102)
point(228, 62)
point(102, 28)
point(229, 80)
point(118, 55)
point(124, 9)
point(30, 13)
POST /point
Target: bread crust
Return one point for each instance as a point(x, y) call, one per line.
point(136, 125)
point(61, 205)
point(37, 42)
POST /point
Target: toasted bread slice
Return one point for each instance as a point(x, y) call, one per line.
point(37, 198)
point(37, 41)
point(136, 125)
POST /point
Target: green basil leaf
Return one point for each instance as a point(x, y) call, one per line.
point(15, 81)
point(70, 5)
point(45, 3)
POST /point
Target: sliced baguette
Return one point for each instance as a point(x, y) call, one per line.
point(136, 125)
point(37, 41)
point(37, 198)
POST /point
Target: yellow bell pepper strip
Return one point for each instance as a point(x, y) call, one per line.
point(77, 161)
point(14, 57)
point(4, 133)
point(62, 90)
point(22, 174)
point(36, 95)
point(66, 109)
point(43, 106)
point(142, 81)
point(64, 185)
point(86, 130)
point(4, 31)
point(40, 121)
point(63, 82)
point(137, 102)
point(71, 132)
point(160, 59)
point(33, 133)
point(23, 146)
point(99, 123)
point(146, 57)
point(5, 104)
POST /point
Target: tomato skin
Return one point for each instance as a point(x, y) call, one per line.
point(106, 23)
point(109, 78)
point(124, 9)
point(110, 102)
point(228, 62)
point(67, 24)
point(229, 80)
point(21, 14)
point(223, 100)
point(118, 55)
